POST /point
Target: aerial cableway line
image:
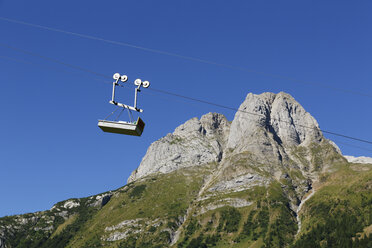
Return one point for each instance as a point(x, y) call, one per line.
point(189, 58)
point(166, 92)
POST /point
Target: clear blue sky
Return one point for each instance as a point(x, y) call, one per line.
point(50, 146)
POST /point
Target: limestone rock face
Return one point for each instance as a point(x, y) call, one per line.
point(193, 143)
point(268, 126)
point(268, 122)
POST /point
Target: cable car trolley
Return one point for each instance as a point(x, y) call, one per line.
point(134, 128)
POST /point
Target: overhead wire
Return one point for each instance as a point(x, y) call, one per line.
point(177, 95)
point(240, 68)
point(165, 92)
point(16, 60)
point(49, 68)
point(53, 60)
point(174, 55)
point(174, 94)
point(257, 114)
point(351, 145)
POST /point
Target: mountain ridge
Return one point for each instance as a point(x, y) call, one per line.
point(293, 127)
point(215, 183)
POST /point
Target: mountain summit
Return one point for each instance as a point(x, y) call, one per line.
point(269, 178)
point(269, 126)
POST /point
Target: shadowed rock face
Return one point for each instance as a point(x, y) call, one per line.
point(2, 243)
point(267, 125)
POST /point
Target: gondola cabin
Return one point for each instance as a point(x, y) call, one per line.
point(122, 127)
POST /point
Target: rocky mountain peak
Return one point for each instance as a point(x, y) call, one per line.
point(277, 115)
point(246, 183)
point(210, 125)
point(196, 142)
point(266, 125)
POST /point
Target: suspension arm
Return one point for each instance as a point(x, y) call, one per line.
point(126, 106)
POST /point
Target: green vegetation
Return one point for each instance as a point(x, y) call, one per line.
point(137, 191)
point(230, 218)
point(59, 235)
point(61, 227)
point(164, 199)
point(268, 223)
point(339, 211)
point(176, 140)
point(147, 213)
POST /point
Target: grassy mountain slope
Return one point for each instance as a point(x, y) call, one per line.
point(181, 209)
point(340, 211)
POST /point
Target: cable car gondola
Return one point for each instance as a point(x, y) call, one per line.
point(134, 128)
